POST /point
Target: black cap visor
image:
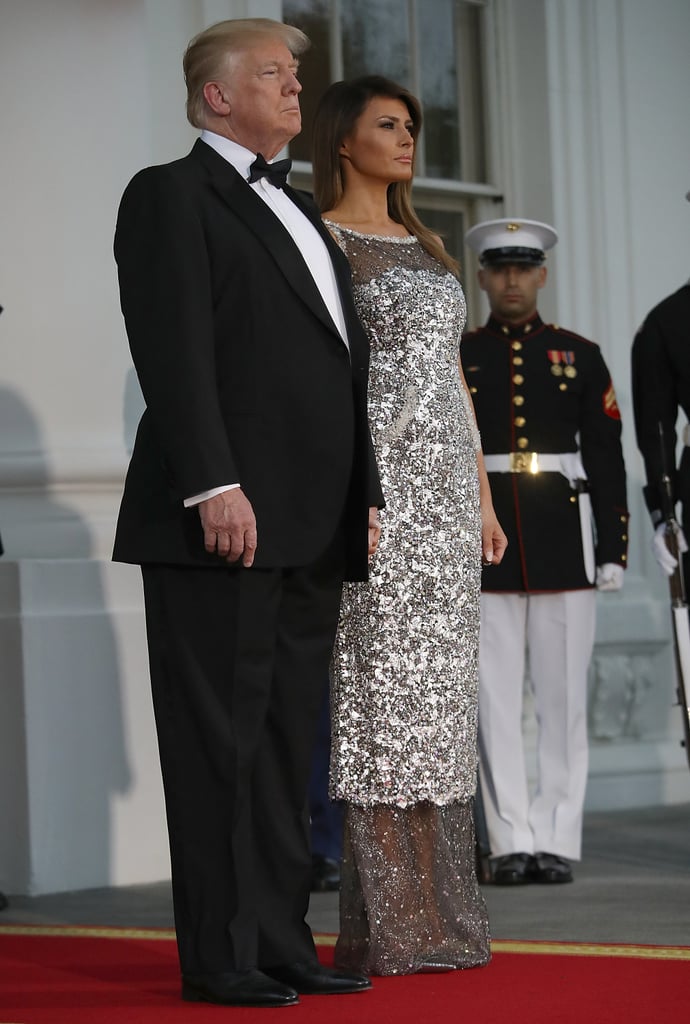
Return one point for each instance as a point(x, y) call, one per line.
point(512, 254)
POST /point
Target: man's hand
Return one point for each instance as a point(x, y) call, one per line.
point(667, 563)
point(374, 530)
point(609, 576)
point(229, 526)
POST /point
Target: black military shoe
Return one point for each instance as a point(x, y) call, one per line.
point(550, 869)
point(514, 869)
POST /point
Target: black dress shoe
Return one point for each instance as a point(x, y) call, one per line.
point(514, 869)
point(314, 980)
point(550, 869)
point(237, 988)
point(325, 874)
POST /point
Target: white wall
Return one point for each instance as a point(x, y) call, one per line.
point(69, 141)
point(592, 136)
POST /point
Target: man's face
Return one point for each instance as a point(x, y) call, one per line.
point(262, 92)
point(512, 289)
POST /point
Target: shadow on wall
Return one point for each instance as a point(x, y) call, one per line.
point(35, 524)
point(63, 750)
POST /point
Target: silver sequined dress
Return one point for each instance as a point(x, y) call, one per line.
point(405, 665)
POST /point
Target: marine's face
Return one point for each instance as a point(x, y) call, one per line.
point(261, 90)
point(512, 289)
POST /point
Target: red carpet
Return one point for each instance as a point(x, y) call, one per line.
point(126, 976)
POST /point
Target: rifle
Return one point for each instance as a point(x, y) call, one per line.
point(679, 604)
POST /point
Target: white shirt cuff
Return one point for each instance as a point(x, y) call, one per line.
point(196, 499)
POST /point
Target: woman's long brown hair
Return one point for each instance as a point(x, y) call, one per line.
point(337, 113)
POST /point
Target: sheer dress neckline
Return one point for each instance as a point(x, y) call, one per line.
point(364, 234)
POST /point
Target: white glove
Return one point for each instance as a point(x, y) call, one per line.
point(609, 576)
point(665, 559)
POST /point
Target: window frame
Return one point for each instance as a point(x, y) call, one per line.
point(474, 200)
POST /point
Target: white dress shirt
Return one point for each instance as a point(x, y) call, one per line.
point(306, 238)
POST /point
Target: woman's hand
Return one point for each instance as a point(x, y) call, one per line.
point(494, 540)
point(374, 530)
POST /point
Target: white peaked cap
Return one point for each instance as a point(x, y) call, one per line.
point(511, 239)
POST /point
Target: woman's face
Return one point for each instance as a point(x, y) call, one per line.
point(380, 145)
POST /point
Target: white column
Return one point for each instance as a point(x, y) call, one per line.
point(592, 111)
point(618, 82)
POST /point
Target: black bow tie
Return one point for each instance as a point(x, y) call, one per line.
point(276, 173)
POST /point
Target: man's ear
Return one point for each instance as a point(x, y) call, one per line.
point(481, 277)
point(214, 94)
point(541, 279)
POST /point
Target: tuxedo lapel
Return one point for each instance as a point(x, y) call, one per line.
point(339, 260)
point(267, 229)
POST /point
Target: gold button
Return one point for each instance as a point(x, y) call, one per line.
point(563, 387)
point(522, 442)
point(518, 379)
point(518, 360)
point(519, 421)
point(528, 328)
point(624, 519)
point(624, 558)
point(573, 498)
point(516, 346)
point(473, 390)
point(624, 537)
point(505, 329)
point(518, 400)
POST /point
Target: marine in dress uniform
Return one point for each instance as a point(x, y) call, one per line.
point(551, 436)
point(661, 389)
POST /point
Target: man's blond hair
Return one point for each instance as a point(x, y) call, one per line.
point(209, 54)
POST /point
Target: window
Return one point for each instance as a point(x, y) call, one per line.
point(435, 48)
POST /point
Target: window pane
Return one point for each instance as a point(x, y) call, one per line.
point(470, 49)
point(439, 88)
point(449, 224)
point(312, 17)
point(376, 39)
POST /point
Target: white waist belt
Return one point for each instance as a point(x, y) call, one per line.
point(570, 465)
point(526, 462)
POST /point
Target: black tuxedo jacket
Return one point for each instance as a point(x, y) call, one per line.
point(244, 374)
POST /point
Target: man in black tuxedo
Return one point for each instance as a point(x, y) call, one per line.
point(251, 494)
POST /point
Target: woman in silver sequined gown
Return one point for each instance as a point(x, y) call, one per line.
point(404, 686)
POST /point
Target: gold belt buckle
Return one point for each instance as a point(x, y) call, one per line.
point(524, 462)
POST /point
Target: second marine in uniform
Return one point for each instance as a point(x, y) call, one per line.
point(551, 434)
